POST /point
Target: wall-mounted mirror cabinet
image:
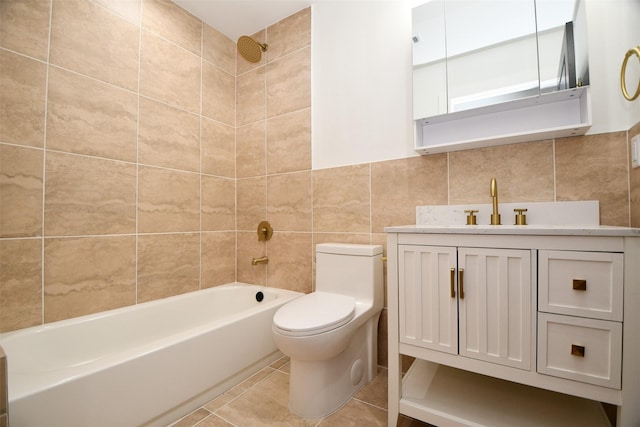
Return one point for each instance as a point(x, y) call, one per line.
point(476, 58)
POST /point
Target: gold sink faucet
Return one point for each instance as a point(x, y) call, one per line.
point(261, 260)
point(495, 216)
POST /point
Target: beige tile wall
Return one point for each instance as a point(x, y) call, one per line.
point(273, 159)
point(193, 190)
point(117, 156)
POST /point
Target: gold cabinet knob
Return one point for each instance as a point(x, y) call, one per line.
point(579, 285)
point(577, 350)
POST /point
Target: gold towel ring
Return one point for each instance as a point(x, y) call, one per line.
point(623, 83)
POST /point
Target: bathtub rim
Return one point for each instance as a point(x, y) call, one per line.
point(34, 383)
point(160, 301)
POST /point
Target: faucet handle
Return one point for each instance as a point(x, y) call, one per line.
point(521, 219)
point(471, 218)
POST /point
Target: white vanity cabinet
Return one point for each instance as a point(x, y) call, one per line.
point(514, 326)
point(475, 302)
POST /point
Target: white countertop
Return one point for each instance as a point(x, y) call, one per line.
point(531, 230)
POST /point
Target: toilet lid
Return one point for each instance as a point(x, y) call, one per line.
point(314, 313)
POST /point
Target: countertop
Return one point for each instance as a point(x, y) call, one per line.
point(531, 230)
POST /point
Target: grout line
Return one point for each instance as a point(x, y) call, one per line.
point(138, 153)
point(264, 151)
point(81, 236)
point(24, 55)
point(235, 161)
point(223, 419)
point(370, 203)
point(91, 156)
point(118, 14)
point(200, 152)
point(44, 167)
point(277, 116)
point(448, 179)
point(312, 254)
point(128, 162)
point(553, 165)
point(369, 404)
point(95, 79)
point(208, 417)
point(15, 145)
point(174, 423)
point(265, 147)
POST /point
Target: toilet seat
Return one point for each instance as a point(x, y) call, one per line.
point(314, 313)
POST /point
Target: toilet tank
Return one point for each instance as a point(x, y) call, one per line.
point(351, 269)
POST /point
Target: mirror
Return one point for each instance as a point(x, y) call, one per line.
point(469, 53)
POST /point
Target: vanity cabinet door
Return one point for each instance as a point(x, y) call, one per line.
point(428, 308)
point(495, 305)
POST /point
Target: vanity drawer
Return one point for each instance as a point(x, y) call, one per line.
point(580, 349)
point(585, 284)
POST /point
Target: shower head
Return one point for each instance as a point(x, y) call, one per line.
point(250, 49)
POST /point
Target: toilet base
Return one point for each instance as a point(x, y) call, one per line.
point(319, 388)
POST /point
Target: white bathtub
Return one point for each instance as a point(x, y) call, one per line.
point(144, 365)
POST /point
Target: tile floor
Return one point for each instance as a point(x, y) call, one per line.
point(262, 400)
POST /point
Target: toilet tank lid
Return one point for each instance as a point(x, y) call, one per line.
point(349, 249)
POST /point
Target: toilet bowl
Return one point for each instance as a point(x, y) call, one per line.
point(330, 335)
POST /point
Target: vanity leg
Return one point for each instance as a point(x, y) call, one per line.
point(395, 359)
point(394, 389)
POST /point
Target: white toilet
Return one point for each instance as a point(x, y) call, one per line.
point(330, 335)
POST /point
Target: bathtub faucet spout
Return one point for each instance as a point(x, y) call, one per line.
point(261, 260)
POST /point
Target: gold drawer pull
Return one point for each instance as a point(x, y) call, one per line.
point(577, 350)
point(461, 277)
point(579, 285)
point(453, 283)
